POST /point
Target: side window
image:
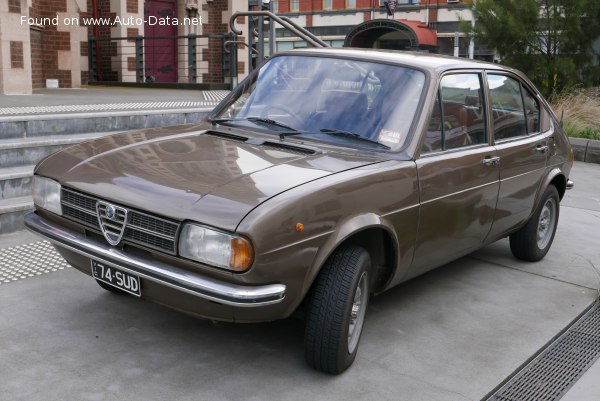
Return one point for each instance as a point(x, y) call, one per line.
point(433, 136)
point(532, 112)
point(458, 118)
point(508, 114)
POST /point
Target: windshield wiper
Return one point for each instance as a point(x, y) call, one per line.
point(352, 135)
point(271, 122)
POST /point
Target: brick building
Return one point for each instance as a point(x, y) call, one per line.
point(44, 40)
point(426, 25)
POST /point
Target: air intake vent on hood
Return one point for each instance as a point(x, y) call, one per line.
point(224, 135)
point(289, 148)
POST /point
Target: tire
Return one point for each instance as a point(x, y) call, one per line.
point(110, 288)
point(532, 242)
point(336, 310)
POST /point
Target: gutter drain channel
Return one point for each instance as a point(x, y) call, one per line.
point(556, 369)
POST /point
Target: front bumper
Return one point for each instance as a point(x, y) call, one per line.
point(161, 273)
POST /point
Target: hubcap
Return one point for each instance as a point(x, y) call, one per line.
point(357, 312)
point(546, 223)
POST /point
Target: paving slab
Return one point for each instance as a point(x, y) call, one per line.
point(452, 334)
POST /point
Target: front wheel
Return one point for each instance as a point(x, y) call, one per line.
point(337, 309)
point(532, 242)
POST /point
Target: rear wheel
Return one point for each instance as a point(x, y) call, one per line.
point(532, 242)
point(337, 309)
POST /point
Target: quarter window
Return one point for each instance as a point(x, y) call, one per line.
point(532, 112)
point(457, 118)
point(508, 113)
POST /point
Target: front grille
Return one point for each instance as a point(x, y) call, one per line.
point(142, 228)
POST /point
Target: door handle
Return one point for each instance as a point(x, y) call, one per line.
point(542, 149)
point(491, 161)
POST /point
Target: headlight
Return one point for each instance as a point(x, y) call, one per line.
point(215, 248)
point(46, 194)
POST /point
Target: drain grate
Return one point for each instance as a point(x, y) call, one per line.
point(30, 260)
point(552, 373)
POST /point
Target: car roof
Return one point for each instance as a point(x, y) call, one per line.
point(428, 61)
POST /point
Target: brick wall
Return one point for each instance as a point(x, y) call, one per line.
point(52, 40)
point(132, 6)
point(37, 56)
point(214, 53)
point(105, 49)
point(16, 54)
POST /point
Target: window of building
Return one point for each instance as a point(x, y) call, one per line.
point(294, 5)
point(350, 3)
point(327, 4)
point(275, 6)
point(508, 114)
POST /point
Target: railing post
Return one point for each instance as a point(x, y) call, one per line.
point(92, 67)
point(192, 67)
point(260, 46)
point(230, 59)
point(251, 44)
point(139, 59)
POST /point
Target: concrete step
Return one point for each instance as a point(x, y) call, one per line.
point(27, 151)
point(12, 211)
point(15, 181)
point(25, 140)
point(62, 124)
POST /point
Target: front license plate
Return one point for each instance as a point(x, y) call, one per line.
point(117, 278)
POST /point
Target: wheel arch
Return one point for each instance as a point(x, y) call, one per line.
point(373, 234)
point(555, 177)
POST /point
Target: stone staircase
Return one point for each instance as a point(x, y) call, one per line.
point(25, 140)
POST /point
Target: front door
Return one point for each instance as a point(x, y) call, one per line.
point(458, 175)
point(160, 55)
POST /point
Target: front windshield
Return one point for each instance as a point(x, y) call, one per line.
point(321, 98)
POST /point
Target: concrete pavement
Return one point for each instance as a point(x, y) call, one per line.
point(452, 334)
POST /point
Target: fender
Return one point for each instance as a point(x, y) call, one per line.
point(550, 176)
point(346, 229)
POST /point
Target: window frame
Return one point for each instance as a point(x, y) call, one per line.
point(522, 86)
point(484, 109)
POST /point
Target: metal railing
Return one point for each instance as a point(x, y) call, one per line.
point(150, 60)
point(261, 23)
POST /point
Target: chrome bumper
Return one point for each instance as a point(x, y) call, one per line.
point(570, 184)
point(179, 279)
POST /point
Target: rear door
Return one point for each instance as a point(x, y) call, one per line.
point(522, 148)
point(458, 175)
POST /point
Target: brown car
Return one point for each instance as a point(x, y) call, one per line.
point(324, 177)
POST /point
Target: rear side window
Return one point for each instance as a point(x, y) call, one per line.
point(532, 112)
point(457, 118)
point(508, 112)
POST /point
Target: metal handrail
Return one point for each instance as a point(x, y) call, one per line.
point(238, 42)
point(285, 22)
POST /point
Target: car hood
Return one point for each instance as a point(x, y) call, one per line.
point(198, 175)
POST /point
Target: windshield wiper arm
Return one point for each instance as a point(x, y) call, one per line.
point(271, 122)
point(353, 135)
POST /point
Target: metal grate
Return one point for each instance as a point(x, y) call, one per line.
point(552, 373)
point(30, 260)
point(143, 229)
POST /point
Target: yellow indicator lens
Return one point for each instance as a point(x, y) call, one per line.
point(242, 254)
